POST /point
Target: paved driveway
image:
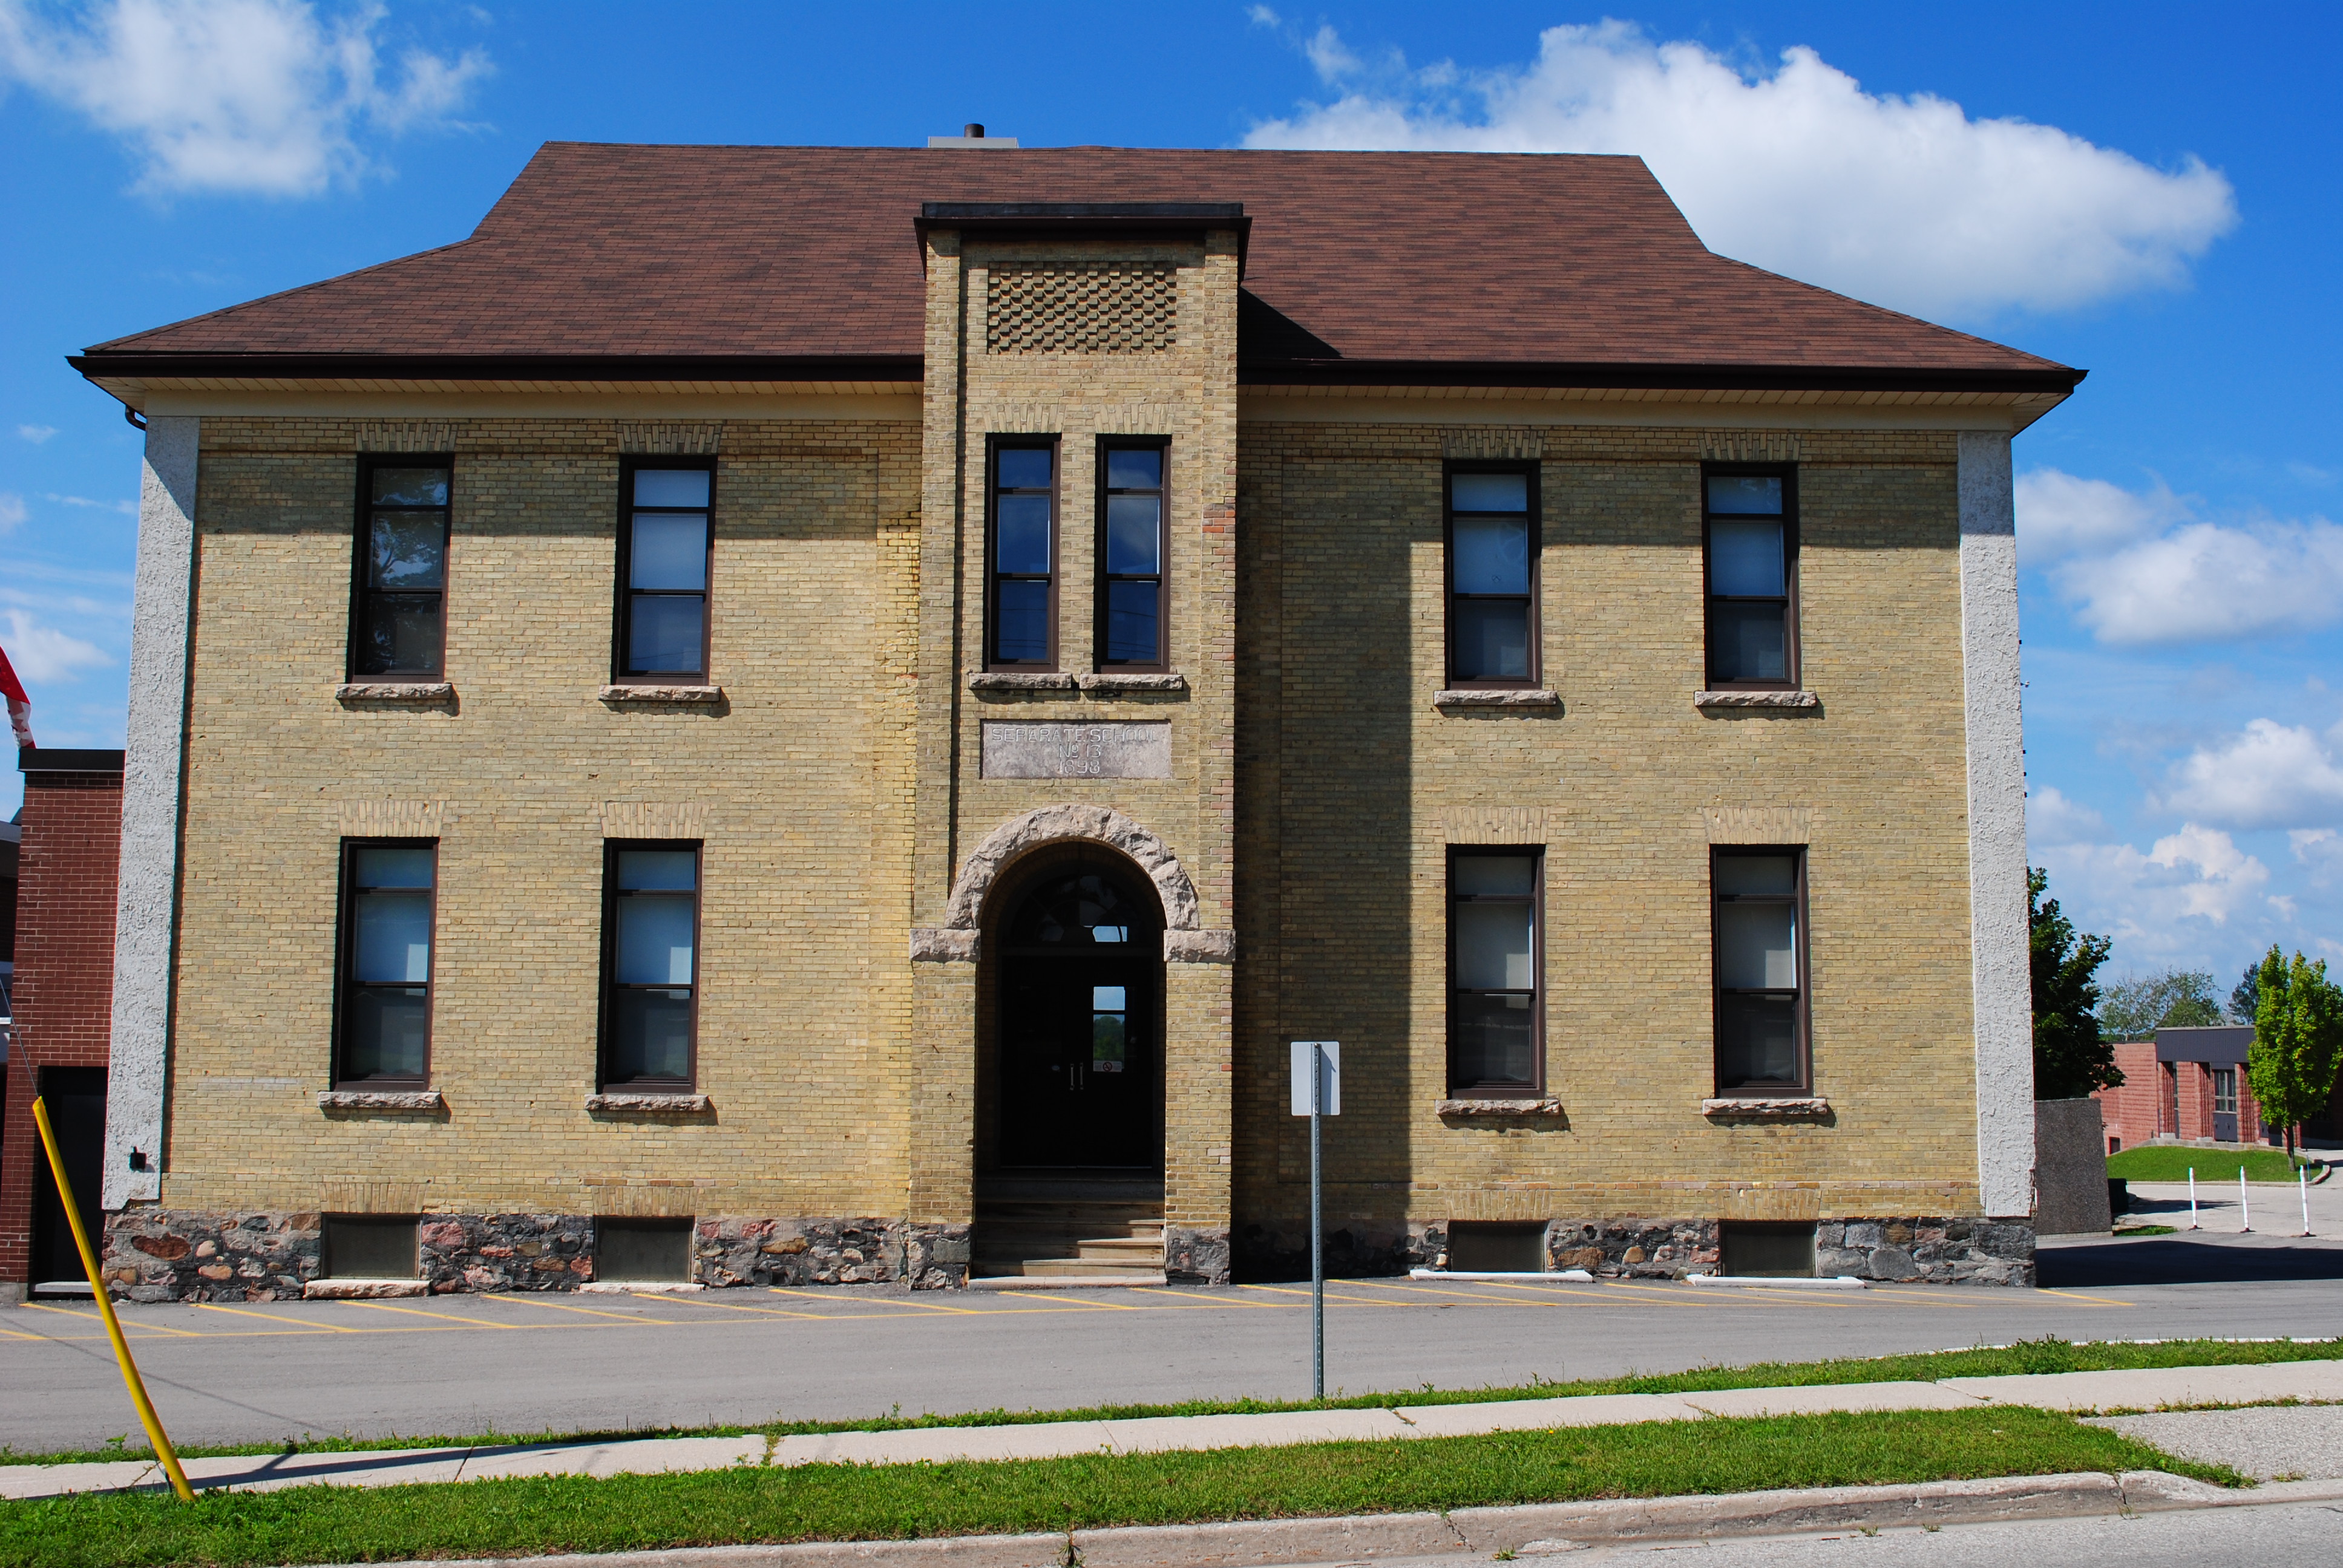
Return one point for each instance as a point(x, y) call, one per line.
point(516, 1363)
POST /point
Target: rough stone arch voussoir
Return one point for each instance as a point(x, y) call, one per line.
point(1013, 840)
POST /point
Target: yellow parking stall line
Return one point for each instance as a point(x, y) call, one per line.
point(1927, 1296)
point(443, 1317)
point(768, 1311)
point(2095, 1301)
point(1183, 1299)
point(924, 1306)
point(565, 1307)
point(1540, 1293)
point(1074, 1302)
point(21, 1334)
point(92, 1319)
point(304, 1323)
point(1330, 1301)
point(1658, 1295)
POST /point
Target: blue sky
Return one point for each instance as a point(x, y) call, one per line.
point(2149, 192)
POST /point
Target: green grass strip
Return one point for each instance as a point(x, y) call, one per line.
point(866, 1503)
point(2027, 1356)
point(2167, 1162)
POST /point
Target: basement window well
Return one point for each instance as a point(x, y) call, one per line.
point(644, 1250)
point(1482, 1247)
point(370, 1247)
point(1768, 1249)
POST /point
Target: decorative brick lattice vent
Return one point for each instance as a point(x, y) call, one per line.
point(1102, 307)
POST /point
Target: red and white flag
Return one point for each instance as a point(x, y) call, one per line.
point(20, 707)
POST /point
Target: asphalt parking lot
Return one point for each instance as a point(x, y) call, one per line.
point(518, 1364)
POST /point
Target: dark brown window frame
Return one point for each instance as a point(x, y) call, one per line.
point(361, 555)
point(1162, 662)
point(1448, 594)
point(1792, 661)
point(1803, 1011)
point(611, 848)
point(2218, 1076)
point(1499, 1090)
point(345, 934)
point(627, 468)
point(994, 446)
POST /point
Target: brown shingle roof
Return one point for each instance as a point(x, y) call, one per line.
point(1411, 266)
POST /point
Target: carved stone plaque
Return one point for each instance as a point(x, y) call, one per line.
point(1032, 748)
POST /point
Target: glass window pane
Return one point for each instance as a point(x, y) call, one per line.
point(654, 939)
point(657, 870)
point(650, 1035)
point(671, 487)
point(393, 937)
point(1489, 492)
point(1134, 533)
point(1492, 639)
point(1021, 534)
point(1130, 624)
point(384, 866)
point(1771, 874)
point(1744, 559)
point(411, 486)
point(1745, 493)
point(410, 550)
point(1511, 875)
point(1024, 467)
point(1492, 947)
point(399, 635)
point(663, 634)
point(1756, 947)
point(1022, 636)
point(669, 552)
point(1493, 555)
point(386, 1032)
point(1493, 1038)
point(1134, 467)
point(1748, 642)
point(1758, 1041)
point(1108, 1029)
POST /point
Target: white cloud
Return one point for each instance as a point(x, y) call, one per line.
point(2209, 582)
point(127, 508)
point(2060, 514)
point(1262, 16)
point(257, 96)
point(2157, 899)
point(2322, 850)
point(12, 511)
point(1902, 200)
point(2053, 819)
point(2270, 776)
point(43, 653)
point(1330, 56)
point(36, 434)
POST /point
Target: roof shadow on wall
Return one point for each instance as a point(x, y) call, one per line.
point(2231, 1261)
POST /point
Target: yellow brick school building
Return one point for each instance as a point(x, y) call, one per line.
point(842, 739)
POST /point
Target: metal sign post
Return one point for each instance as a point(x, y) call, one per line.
point(1317, 1094)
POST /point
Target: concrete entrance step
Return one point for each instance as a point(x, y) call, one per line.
point(1065, 1281)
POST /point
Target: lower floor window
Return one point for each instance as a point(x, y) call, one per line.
point(651, 938)
point(1496, 996)
point(1760, 967)
point(2224, 1091)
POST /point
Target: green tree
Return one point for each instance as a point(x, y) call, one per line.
point(2246, 1000)
point(2136, 1006)
point(2070, 1058)
point(2297, 1041)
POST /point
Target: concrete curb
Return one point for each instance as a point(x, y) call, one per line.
point(1530, 1529)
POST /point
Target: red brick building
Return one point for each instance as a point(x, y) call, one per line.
point(2184, 1086)
point(62, 989)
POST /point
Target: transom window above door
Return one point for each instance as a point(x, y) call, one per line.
point(1089, 909)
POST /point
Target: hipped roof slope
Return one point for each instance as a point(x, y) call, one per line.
point(1547, 265)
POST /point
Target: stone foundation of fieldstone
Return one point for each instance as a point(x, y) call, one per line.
point(1192, 1257)
point(1927, 1251)
point(187, 1255)
point(758, 1252)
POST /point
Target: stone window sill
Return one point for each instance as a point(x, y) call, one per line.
point(624, 696)
point(1111, 681)
point(1786, 1109)
point(424, 691)
point(1509, 696)
point(672, 1104)
point(1018, 681)
point(381, 1100)
point(361, 1290)
point(1107, 683)
point(1755, 699)
point(1485, 1108)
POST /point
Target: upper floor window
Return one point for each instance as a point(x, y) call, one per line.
point(663, 550)
point(1022, 575)
point(1493, 560)
point(1760, 963)
point(1496, 1006)
point(1751, 537)
point(650, 964)
point(398, 619)
point(384, 1012)
point(1130, 559)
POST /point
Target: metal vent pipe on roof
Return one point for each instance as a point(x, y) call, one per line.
point(973, 131)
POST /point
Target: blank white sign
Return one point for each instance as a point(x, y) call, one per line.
point(1328, 1055)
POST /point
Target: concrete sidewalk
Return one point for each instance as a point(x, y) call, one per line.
point(2311, 1381)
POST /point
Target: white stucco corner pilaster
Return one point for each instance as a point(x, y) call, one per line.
point(2000, 975)
point(146, 898)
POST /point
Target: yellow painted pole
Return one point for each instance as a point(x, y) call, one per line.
point(155, 1433)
